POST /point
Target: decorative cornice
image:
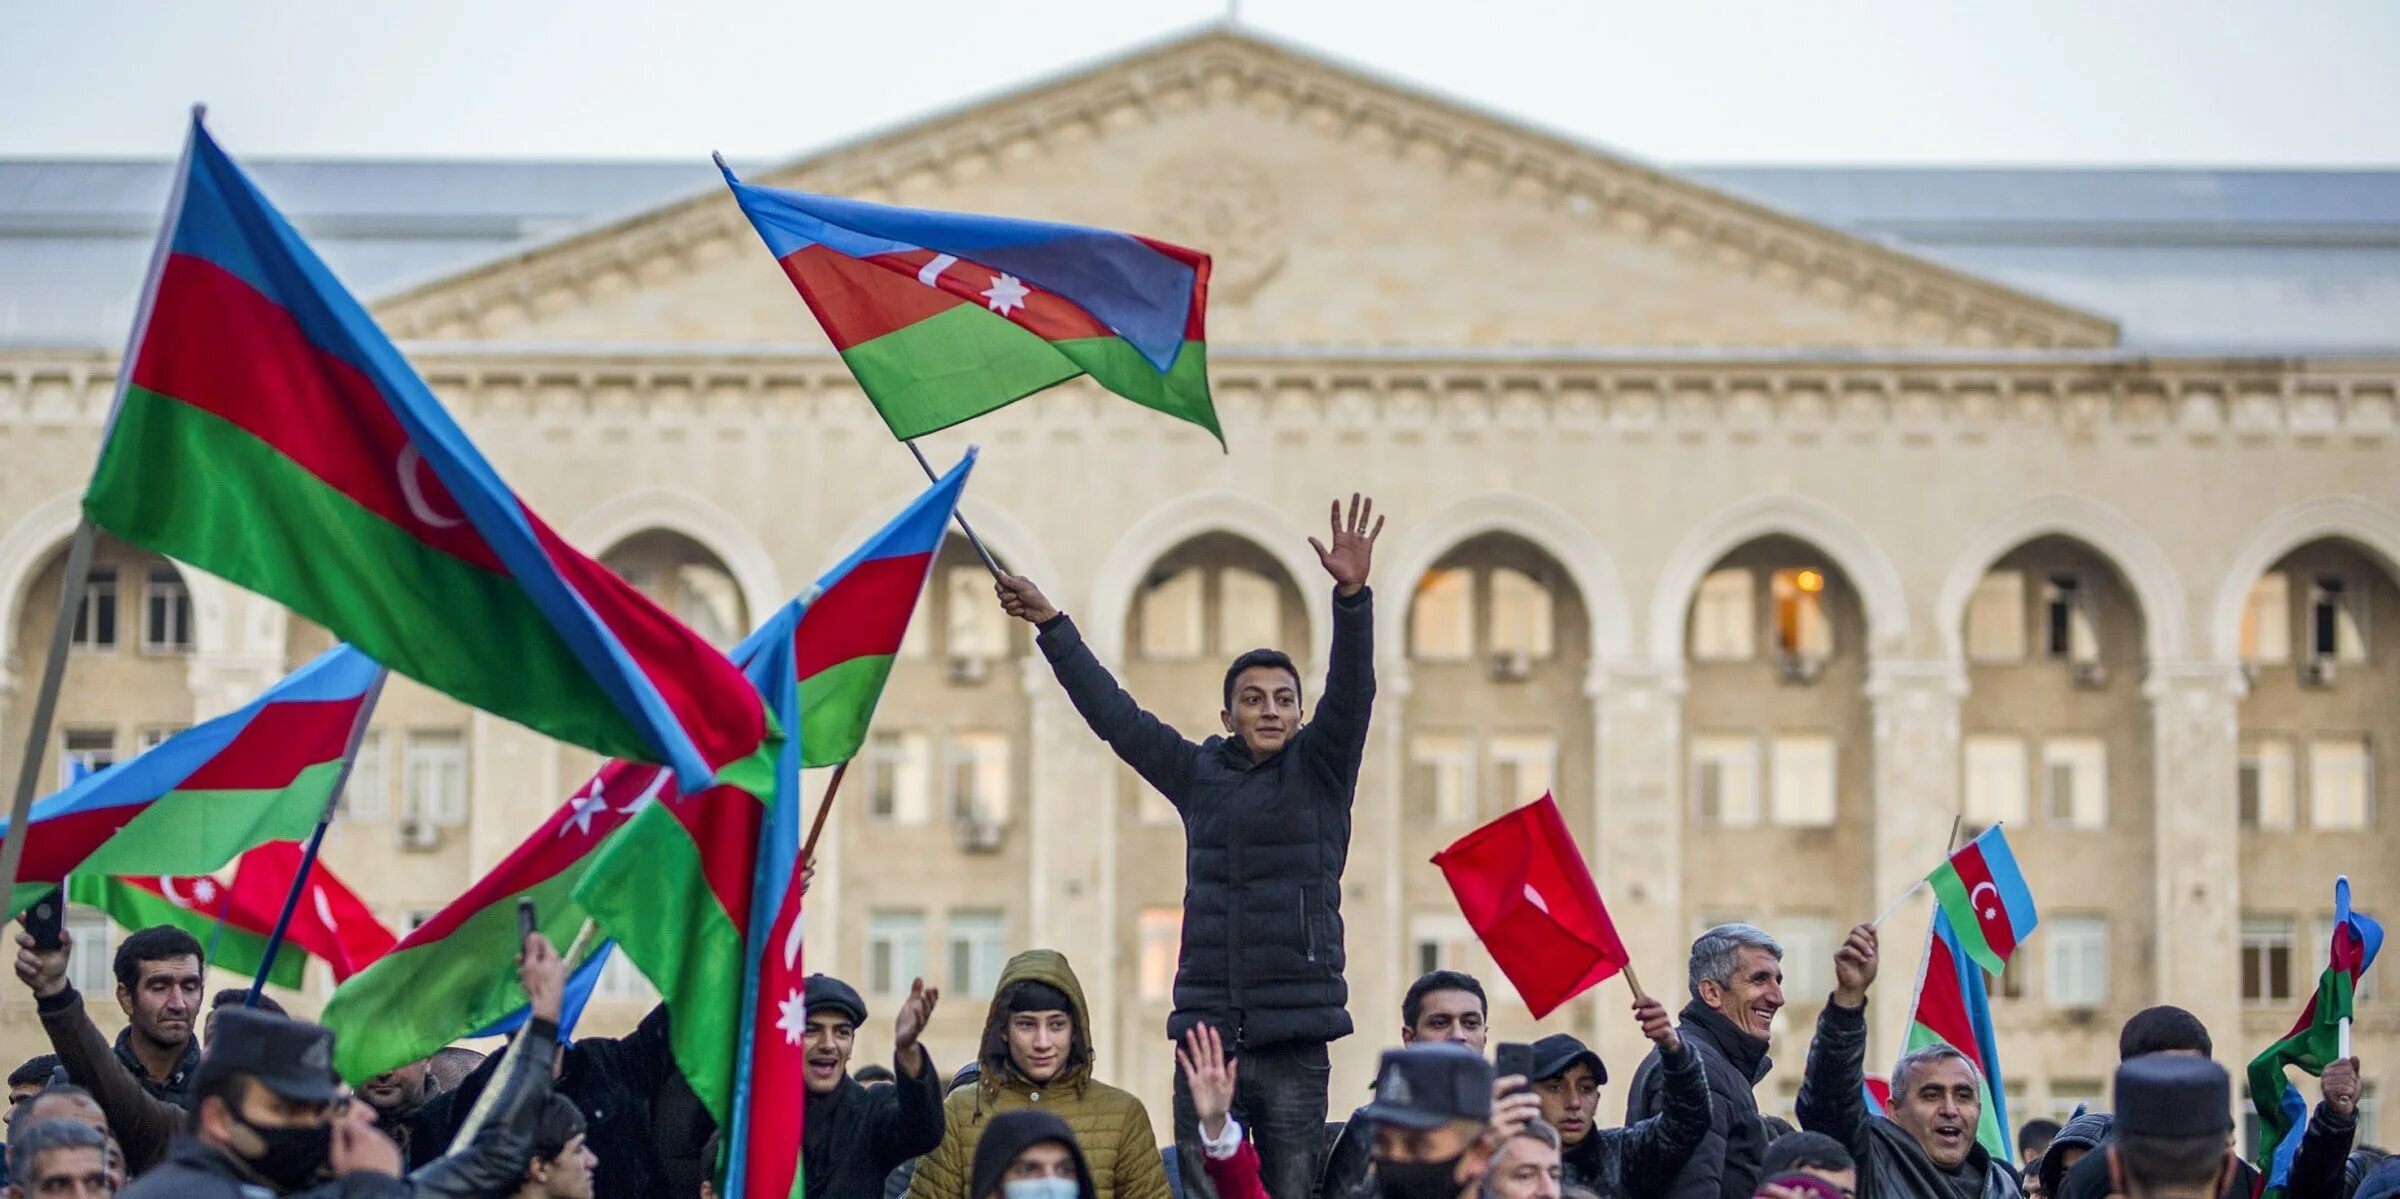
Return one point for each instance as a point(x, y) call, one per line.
point(1220, 67)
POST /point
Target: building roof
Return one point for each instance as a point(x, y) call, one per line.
point(2184, 259)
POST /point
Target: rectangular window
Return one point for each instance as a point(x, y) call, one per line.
point(1724, 622)
point(1996, 618)
point(622, 981)
point(1162, 942)
point(1442, 622)
point(435, 773)
point(1809, 943)
point(156, 735)
point(2078, 961)
point(2068, 631)
point(1170, 609)
point(2075, 781)
point(367, 795)
point(1445, 942)
point(1995, 764)
point(899, 766)
point(1803, 768)
point(1249, 611)
point(1524, 768)
point(2267, 619)
point(2266, 961)
point(1725, 781)
point(2335, 630)
point(977, 627)
point(85, 751)
point(2009, 983)
point(2339, 783)
point(979, 791)
point(2266, 784)
point(1521, 619)
point(96, 614)
point(1445, 770)
point(1802, 627)
point(90, 967)
point(978, 946)
point(895, 951)
point(166, 612)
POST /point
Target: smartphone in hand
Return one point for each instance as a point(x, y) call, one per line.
point(1515, 1057)
point(526, 925)
point(46, 920)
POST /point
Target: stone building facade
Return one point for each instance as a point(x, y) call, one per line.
point(1773, 549)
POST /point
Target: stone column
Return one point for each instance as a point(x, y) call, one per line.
point(1637, 842)
point(1916, 800)
point(2195, 714)
point(1071, 815)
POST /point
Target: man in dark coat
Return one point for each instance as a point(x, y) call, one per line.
point(1266, 818)
point(854, 1136)
point(1736, 980)
point(1638, 1161)
point(1928, 1148)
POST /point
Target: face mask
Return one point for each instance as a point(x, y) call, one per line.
point(293, 1155)
point(1418, 1180)
point(1040, 1188)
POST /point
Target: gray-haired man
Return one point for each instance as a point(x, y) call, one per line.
point(1927, 1150)
point(1736, 979)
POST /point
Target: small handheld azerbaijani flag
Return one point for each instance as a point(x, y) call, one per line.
point(2313, 1042)
point(945, 316)
point(268, 432)
point(261, 773)
point(1984, 894)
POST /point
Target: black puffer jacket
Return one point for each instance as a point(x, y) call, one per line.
point(1640, 1161)
point(1891, 1165)
point(1264, 841)
point(1728, 1161)
point(853, 1139)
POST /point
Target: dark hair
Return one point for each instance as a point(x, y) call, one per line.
point(995, 1032)
point(2036, 1134)
point(1805, 1151)
point(35, 1070)
point(1260, 657)
point(2170, 1161)
point(29, 1140)
point(561, 1121)
point(157, 943)
point(1412, 1005)
point(225, 1086)
point(233, 997)
point(2162, 1029)
point(873, 1075)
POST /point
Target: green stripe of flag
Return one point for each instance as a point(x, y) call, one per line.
point(963, 361)
point(194, 832)
point(836, 705)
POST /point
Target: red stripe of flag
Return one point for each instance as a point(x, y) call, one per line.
point(1991, 916)
point(217, 344)
point(863, 614)
point(282, 740)
point(728, 846)
point(1942, 1006)
point(1048, 315)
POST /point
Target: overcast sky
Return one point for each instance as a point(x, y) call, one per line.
point(2026, 81)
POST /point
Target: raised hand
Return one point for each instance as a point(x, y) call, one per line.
point(1652, 1016)
point(1854, 967)
point(44, 970)
point(915, 1013)
point(1211, 1076)
point(1021, 599)
point(1353, 549)
point(544, 974)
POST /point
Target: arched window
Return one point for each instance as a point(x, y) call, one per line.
point(688, 581)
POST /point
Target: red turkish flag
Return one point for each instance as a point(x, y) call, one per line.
point(1526, 892)
point(330, 921)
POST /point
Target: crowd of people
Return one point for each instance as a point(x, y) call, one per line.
point(248, 1103)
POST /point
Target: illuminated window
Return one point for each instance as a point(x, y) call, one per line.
point(1442, 622)
point(1724, 628)
point(1996, 618)
point(1801, 627)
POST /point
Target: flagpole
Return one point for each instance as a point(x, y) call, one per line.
point(808, 849)
point(990, 563)
point(1948, 847)
point(45, 702)
point(316, 838)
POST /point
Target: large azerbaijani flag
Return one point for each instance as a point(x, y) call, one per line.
point(1984, 894)
point(2314, 1041)
point(234, 920)
point(1954, 1008)
point(268, 432)
point(945, 316)
point(264, 772)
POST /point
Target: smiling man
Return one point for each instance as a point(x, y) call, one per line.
point(854, 1135)
point(1927, 1150)
point(1736, 982)
point(1266, 820)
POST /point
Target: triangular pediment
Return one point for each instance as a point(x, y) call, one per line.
point(1342, 210)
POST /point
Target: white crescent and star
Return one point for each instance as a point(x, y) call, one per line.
point(414, 494)
point(1990, 913)
point(166, 887)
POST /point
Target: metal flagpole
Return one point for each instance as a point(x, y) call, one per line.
point(45, 702)
point(990, 563)
point(316, 839)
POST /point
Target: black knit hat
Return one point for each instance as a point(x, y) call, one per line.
point(1012, 1133)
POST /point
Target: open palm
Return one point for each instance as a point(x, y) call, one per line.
point(1353, 550)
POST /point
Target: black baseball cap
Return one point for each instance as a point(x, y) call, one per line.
point(1557, 1053)
point(824, 990)
point(292, 1058)
point(2173, 1095)
point(1428, 1085)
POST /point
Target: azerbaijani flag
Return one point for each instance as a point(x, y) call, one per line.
point(264, 772)
point(1953, 1008)
point(2314, 1040)
point(235, 920)
point(1984, 894)
point(945, 316)
point(267, 432)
